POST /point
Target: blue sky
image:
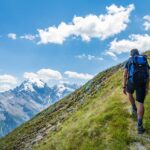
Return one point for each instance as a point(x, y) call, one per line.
point(33, 39)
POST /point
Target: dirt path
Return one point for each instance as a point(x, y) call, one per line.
point(140, 142)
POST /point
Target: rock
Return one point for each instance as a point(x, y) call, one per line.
point(63, 116)
point(81, 101)
point(49, 125)
point(53, 128)
point(38, 138)
point(71, 109)
point(138, 146)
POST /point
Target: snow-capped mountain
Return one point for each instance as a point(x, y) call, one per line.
point(25, 101)
point(61, 90)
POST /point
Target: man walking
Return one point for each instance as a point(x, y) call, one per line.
point(136, 78)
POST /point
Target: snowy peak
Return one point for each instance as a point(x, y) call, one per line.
point(30, 85)
point(63, 89)
point(64, 86)
point(37, 82)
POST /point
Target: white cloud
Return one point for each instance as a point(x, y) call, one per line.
point(76, 75)
point(12, 36)
point(55, 35)
point(147, 22)
point(49, 74)
point(90, 26)
point(5, 87)
point(7, 82)
point(112, 55)
point(44, 75)
point(141, 42)
point(29, 37)
point(30, 75)
point(89, 57)
point(8, 79)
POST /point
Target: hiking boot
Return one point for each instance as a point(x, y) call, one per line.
point(141, 130)
point(133, 112)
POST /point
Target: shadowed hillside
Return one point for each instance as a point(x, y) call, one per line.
point(94, 117)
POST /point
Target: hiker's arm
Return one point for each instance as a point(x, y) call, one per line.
point(125, 77)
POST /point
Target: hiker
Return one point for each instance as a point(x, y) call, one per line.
point(136, 78)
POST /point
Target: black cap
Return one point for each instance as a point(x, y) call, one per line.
point(134, 52)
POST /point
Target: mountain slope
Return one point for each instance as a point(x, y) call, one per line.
point(28, 99)
point(94, 117)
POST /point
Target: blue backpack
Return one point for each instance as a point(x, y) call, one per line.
point(139, 70)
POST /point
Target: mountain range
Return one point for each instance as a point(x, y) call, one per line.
point(25, 101)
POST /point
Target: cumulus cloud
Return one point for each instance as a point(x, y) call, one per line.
point(90, 26)
point(7, 82)
point(12, 36)
point(75, 75)
point(112, 55)
point(44, 75)
point(30, 75)
point(54, 34)
point(49, 74)
point(89, 57)
point(141, 42)
point(29, 37)
point(5, 87)
point(8, 79)
point(147, 22)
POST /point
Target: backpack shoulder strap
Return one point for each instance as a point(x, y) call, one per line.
point(130, 62)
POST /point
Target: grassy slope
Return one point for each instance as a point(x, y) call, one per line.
point(100, 120)
point(103, 123)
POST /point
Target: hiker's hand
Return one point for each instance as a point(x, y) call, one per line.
point(124, 91)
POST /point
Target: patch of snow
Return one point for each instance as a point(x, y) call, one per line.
point(30, 83)
point(2, 117)
point(37, 82)
point(28, 87)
